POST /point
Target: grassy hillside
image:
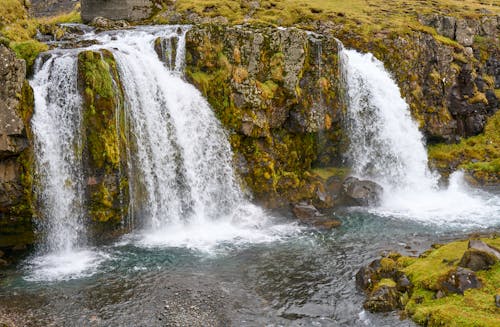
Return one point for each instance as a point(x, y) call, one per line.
point(376, 13)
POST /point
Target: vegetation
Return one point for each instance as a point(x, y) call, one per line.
point(479, 155)
point(475, 308)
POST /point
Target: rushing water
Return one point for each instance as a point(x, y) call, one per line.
point(387, 147)
point(202, 255)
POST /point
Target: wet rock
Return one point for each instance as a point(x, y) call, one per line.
point(459, 280)
point(364, 277)
point(356, 192)
point(3, 263)
point(106, 24)
point(404, 284)
point(383, 299)
point(304, 211)
point(479, 256)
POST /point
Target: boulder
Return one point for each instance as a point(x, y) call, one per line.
point(459, 280)
point(304, 211)
point(356, 192)
point(384, 298)
point(131, 10)
point(479, 256)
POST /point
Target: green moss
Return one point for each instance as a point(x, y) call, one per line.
point(105, 130)
point(475, 308)
point(479, 155)
point(28, 50)
point(327, 172)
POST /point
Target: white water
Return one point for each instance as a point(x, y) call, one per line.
point(185, 191)
point(56, 125)
point(387, 147)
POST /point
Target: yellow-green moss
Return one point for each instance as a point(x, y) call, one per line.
point(475, 308)
point(28, 50)
point(479, 155)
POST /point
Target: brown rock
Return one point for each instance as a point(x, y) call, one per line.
point(358, 192)
point(305, 211)
point(479, 256)
point(459, 280)
point(383, 299)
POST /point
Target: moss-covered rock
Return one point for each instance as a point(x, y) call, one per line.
point(276, 91)
point(104, 149)
point(442, 293)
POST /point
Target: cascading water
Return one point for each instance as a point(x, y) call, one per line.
point(56, 125)
point(387, 147)
point(185, 189)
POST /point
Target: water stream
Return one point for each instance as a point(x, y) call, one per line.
point(201, 252)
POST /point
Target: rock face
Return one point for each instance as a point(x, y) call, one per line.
point(131, 10)
point(16, 105)
point(356, 192)
point(479, 256)
point(459, 280)
point(448, 79)
point(276, 91)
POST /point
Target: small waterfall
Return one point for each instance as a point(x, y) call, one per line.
point(387, 147)
point(183, 176)
point(56, 125)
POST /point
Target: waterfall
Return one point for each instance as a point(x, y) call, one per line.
point(387, 147)
point(183, 190)
point(56, 126)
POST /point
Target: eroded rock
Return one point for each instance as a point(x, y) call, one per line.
point(479, 256)
point(384, 298)
point(356, 192)
point(459, 280)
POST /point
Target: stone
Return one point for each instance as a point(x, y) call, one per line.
point(383, 299)
point(364, 277)
point(358, 192)
point(404, 284)
point(459, 280)
point(106, 24)
point(3, 263)
point(304, 211)
point(1, 253)
point(130, 10)
point(497, 300)
point(479, 256)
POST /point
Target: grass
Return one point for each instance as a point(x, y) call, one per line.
point(479, 153)
point(475, 308)
point(380, 13)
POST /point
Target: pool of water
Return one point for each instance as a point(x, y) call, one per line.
point(304, 278)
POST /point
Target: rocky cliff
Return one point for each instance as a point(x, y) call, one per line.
point(132, 10)
point(277, 91)
point(16, 104)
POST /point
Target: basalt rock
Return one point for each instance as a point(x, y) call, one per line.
point(356, 192)
point(275, 91)
point(479, 256)
point(459, 280)
point(130, 10)
point(16, 107)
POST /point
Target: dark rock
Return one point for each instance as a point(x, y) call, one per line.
point(106, 24)
point(3, 263)
point(477, 260)
point(131, 10)
point(497, 301)
point(364, 277)
point(383, 299)
point(479, 256)
point(404, 284)
point(459, 280)
point(305, 211)
point(356, 192)
point(439, 294)
point(1, 253)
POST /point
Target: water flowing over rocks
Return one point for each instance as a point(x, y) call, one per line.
point(275, 90)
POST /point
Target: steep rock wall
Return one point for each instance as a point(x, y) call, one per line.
point(132, 10)
point(277, 92)
point(16, 105)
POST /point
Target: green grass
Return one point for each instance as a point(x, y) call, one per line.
point(478, 154)
point(475, 308)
